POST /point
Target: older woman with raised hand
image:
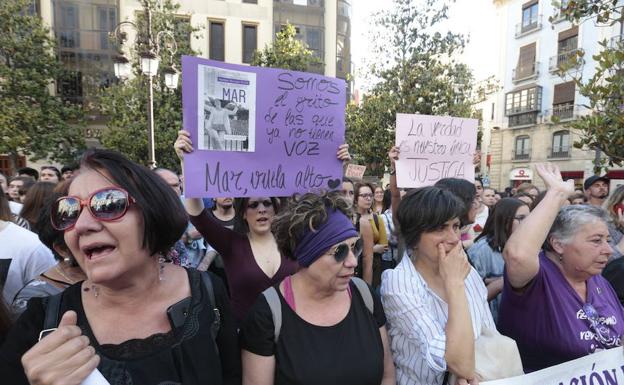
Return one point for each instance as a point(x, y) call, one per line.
point(555, 304)
point(435, 302)
point(332, 328)
point(135, 320)
point(251, 258)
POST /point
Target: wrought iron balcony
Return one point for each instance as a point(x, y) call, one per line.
point(526, 119)
point(559, 152)
point(525, 72)
point(567, 59)
point(561, 113)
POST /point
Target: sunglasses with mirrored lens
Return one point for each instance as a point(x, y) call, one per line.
point(104, 205)
point(341, 252)
point(255, 204)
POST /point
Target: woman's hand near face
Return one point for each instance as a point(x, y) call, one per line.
point(454, 266)
point(62, 357)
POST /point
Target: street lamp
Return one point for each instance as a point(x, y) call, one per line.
point(149, 64)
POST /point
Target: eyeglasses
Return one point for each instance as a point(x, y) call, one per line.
point(366, 196)
point(255, 204)
point(341, 252)
point(600, 330)
point(105, 205)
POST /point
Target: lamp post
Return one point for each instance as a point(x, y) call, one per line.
point(150, 49)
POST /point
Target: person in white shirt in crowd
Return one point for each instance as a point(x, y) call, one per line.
point(435, 302)
point(22, 255)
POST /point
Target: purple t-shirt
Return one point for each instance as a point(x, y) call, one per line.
point(551, 324)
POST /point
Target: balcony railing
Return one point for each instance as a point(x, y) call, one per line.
point(533, 25)
point(559, 152)
point(526, 72)
point(564, 60)
point(561, 113)
point(526, 119)
point(524, 155)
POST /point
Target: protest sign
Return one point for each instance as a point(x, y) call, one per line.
point(260, 131)
point(355, 171)
point(434, 147)
point(602, 368)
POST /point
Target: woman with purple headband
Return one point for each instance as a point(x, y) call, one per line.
point(320, 325)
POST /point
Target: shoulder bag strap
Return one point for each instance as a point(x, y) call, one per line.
point(216, 324)
point(365, 293)
point(275, 305)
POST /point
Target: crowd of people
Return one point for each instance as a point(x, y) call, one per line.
point(107, 266)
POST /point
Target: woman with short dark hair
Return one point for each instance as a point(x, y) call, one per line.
point(434, 301)
point(486, 254)
point(328, 333)
point(134, 319)
point(555, 303)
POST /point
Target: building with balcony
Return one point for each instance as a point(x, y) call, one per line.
point(538, 97)
point(229, 30)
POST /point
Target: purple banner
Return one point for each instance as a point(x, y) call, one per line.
point(260, 131)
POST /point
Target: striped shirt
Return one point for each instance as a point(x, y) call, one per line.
point(417, 321)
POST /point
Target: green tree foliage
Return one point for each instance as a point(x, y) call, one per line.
point(33, 122)
point(286, 52)
point(603, 129)
point(416, 73)
point(126, 102)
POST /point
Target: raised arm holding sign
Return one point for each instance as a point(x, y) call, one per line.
point(434, 147)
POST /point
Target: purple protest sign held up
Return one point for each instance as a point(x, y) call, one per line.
point(260, 131)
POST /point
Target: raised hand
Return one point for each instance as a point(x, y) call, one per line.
point(183, 144)
point(551, 176)
point(393, 155)
point(62, 357)
point(343, 153)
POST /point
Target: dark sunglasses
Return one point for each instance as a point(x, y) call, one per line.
point(341, 252)
point(107, 204)
point(254, 205)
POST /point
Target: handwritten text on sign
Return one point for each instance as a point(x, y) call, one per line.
point(434, 147)
point(602, 368)
point(298, 126)
point(355, 171)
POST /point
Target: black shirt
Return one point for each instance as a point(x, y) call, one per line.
point(348, 353)
point(185, 355)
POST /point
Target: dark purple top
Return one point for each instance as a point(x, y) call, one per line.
point(550, 322)
point(245, 278)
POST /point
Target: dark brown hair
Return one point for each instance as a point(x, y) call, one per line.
point(35, 200)
point(497, 228)
point(305, 213)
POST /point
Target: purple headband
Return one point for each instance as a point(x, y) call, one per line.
point(313, 244)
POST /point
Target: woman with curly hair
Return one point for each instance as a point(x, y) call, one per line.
point(327, 317)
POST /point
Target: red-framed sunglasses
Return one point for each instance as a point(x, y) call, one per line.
point(107, 204)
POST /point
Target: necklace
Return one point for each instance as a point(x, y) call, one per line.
point(62, 274)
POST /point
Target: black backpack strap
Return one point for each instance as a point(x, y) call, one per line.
point(216, 324)
point(52, 310)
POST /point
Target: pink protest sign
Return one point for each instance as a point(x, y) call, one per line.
point(260, 131)
point(355, 171)
point(434, 147)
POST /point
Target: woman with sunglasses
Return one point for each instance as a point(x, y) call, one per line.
point(328, 334)
point(251, 258)
point(486, 254)
point(134, 319)
point(555, 303)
